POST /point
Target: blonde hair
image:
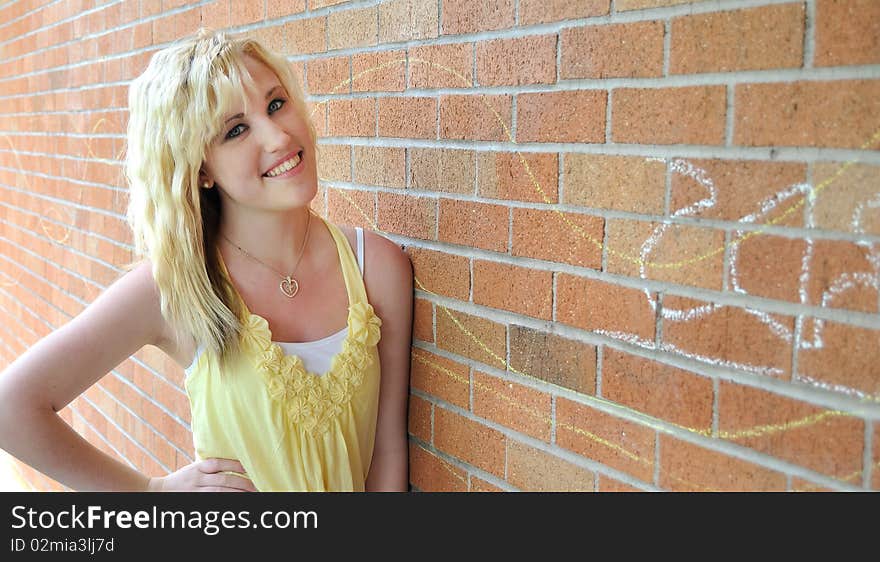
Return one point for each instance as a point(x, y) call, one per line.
point(176, 107)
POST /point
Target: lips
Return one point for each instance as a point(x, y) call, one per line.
point(284, 164)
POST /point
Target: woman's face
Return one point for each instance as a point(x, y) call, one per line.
point(250, 159)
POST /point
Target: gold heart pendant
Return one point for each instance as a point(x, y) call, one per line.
point(289, 286)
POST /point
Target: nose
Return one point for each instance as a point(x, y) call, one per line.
point(273, 136)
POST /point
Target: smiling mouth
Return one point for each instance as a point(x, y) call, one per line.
point(285, 166)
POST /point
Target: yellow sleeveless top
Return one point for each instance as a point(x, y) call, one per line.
point(291, 429)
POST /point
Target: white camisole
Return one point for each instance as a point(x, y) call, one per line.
point(316, 355)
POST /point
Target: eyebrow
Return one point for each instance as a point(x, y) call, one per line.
point(268, 95)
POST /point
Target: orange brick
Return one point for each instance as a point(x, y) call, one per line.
point(563, 362)
point(442, 169)
point(474, 224)
point(623, 310)
point(334, 162)
point(441, 377)
point(637, 48)
point(480, 485)
point(517, 289)
point(832, 269)
point(624, 183)
point(752, 39)
point(471, 336)
point(523, 60)
point(281, 8)
point(840, 113)
point(708, 335)
point(348, 206)
point(849, 356)
point(533, 470)
point(844, 193)
point(352, 28)
point(791, 430)
point(423, 320)
point(607, 484)
point(685, 467)
point(472, 16)
point(430, 473)
point(545, 11)
point(512, 405)
point(659, 390)
point(847, 32)
point(767, 266)
point(478, 117)
point(683, 254)
point(354, 117)
point(571, 116)
point(384, 166)
point(441, 273)
point(414, 118)
point(521, 176)
point(318, 4)
point(408, 215)
point(604, 438)
point(245, 12)
point(686, 115)
point(378, 72)
point(556, 236)
point(407, 20)
point(317, 113)
point(801, 485)
point(741, 188)
point(329, 76)
point(470, 441)
point(625, 5)
point(441, 66)
point(306, 36)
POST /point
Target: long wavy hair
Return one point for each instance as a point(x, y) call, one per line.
point(176, 107)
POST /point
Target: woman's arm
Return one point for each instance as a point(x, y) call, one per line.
point(389, 280)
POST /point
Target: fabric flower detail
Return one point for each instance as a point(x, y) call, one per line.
point(365, 324)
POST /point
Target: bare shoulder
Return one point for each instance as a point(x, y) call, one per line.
point(388, 271)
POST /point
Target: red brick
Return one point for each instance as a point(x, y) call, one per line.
point(557, 236)
point(607, 484)
point(471, 336)
point(570, 116)
point(767, 266)
point(474, 224)
point(384, 166)
point(685, 115)
point(281, 8)
point(478, 117)
point(513, 62)
point(847, 357)
point(329, 76)
point(563, 362)
point(533, 470)
point(875, 472)
point(791, 430)
point(423, 320)
point(512, 405)
point(517, 289)
point(624, 5)
point(384, 71)
point(306, 36)
point(753, 39)
point(847, 32)
point(408, 215)
point(430, 473)
point(843, 195)
point(685, 467)
point(470, 441)
point(353, 117)
point(480, 485)
point(414, 118)
point(837, 264)
point(521, 176)
point(351, 207)
point(545, 11)
point(729, 334)
point(840, 113)
point(472, 16)
point(741, 187)
point(442, 169)
point(442, 273)
point(334, 162)
point(604, 438)
point(624, 183)
point(441, 66)
point(624, 310)
point(347, 29)
point(407, 20)
point(659, 390)
point(801, 485)
point(441, 377)
point(637, 50)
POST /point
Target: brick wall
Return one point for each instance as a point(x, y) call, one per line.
point(645, 232)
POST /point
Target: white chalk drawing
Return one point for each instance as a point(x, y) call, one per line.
point(839, 285)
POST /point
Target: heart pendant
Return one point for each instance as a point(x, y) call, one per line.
point(289, 286)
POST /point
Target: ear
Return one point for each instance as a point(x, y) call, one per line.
point(204, 180)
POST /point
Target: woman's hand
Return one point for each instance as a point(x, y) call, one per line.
point(204, 476)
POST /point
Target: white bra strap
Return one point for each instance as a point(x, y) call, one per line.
point(360, 242)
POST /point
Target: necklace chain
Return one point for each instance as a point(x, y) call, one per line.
point(289, 286)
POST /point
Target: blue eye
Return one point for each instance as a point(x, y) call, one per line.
point(232, 134)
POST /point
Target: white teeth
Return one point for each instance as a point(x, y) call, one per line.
point(283, 167)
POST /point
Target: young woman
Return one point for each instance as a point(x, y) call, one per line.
point(294, 333)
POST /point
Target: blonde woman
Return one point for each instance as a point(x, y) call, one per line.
point(294, 333)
